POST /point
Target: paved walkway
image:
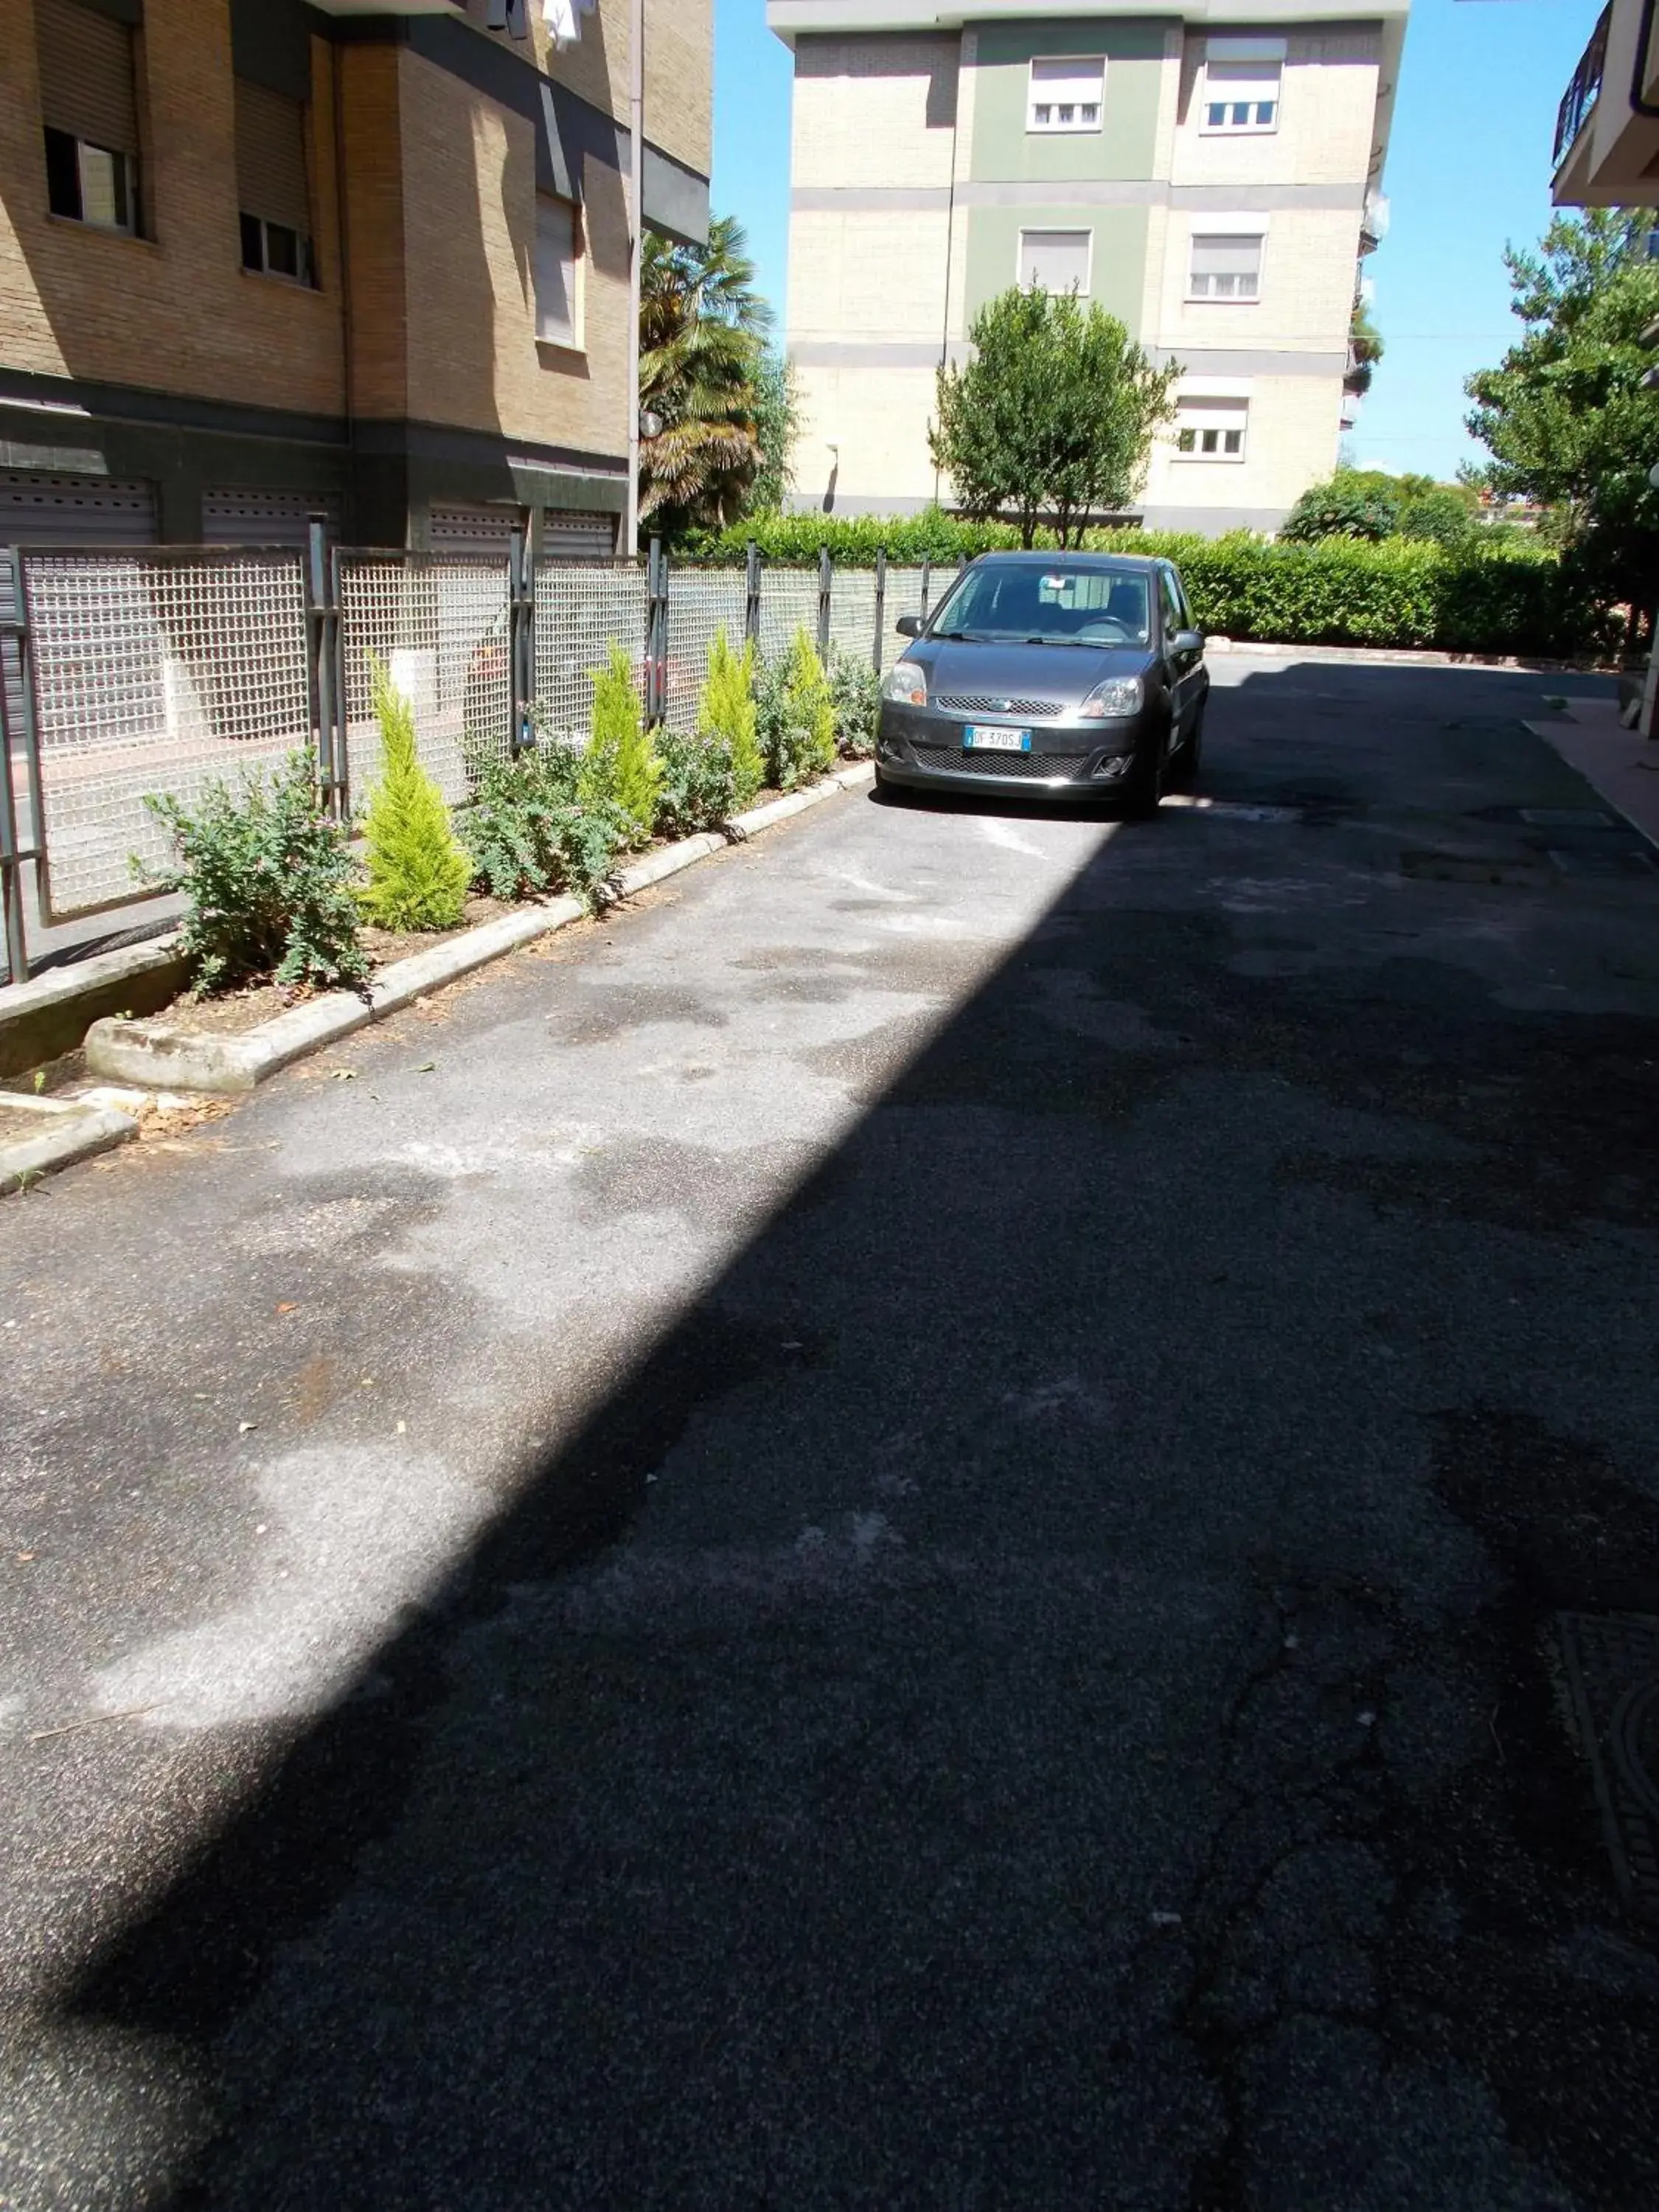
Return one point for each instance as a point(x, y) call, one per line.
point(900, 1531)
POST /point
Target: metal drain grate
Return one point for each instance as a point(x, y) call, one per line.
point(1626, 862)
point(1611, 1663)
point(1568, 817)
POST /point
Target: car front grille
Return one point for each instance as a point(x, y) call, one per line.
point(970, 703)
point(1034, 767)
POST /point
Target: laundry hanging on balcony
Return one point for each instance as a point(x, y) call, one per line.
point(564, 18)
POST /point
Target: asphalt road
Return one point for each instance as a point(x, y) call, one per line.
point(891, 1533)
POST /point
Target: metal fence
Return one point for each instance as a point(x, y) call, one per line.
point(156, 671)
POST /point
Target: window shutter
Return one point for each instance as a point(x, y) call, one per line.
point(271, 157)
point(1053, 260)
point(87, 86)
point(555, 271)
point(1226, 267)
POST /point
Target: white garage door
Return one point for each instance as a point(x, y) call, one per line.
point(266, 518)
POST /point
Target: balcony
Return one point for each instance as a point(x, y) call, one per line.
point(1373, 222)
point(1578, 102)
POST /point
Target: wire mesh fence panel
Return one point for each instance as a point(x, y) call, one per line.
point(701, 602)
point(904, 598)
point(788, 602)
point(852, 613)
point(441, 629)
point(580, 608)
point(154, 674)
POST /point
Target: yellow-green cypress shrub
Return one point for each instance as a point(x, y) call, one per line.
point(417, 872)
point(621, 767)
point(726, 712)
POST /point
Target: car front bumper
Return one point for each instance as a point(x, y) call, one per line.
point(919, 747)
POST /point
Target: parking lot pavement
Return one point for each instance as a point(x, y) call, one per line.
point(958, 1517)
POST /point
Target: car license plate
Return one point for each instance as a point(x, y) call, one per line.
point(975, 739)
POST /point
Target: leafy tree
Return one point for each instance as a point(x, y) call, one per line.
point(1442, 515)
point(704, 373)
point(1346, 506)
point(417, 874)
point(619, 767)
point(777, 425)
point(1054, 415)
point(1564, 414)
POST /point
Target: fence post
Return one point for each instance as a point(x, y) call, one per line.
point(752, 592)
point(881, 602)
point(11, 871)
point(656, 630)
point(926, 582)
point(826, 585)
point(521, 640)
point(324, 656)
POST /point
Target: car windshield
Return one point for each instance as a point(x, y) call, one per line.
point(1058, 605)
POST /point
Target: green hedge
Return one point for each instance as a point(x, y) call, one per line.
point(1402, 592)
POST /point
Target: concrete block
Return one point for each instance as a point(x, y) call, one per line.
point(51, 1013)
point(67, 1130)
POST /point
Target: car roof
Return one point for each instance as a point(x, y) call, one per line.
point(1135, 563)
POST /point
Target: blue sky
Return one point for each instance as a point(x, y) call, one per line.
point(1468, 169)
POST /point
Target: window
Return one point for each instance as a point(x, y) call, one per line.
point(1210, 429)
point(1067, 94)
point(557, 320)
point(1055, 260)
point(1175, 616)
point(1241, 95)
point(272, 189)
point(89, 107)
point(1225, 266)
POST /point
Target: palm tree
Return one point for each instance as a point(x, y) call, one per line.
point(702, 336)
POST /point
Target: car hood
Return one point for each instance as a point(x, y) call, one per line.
point(1062, 674)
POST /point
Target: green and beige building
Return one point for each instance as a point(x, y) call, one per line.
point(1212, 177)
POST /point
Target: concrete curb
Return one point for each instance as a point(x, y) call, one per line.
point(154, 1055)
point(68, 1132)
point(50, 1014)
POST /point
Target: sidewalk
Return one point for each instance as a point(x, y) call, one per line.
point(1623, 767)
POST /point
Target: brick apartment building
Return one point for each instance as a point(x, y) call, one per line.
point(259, 259)
point(1210, 173)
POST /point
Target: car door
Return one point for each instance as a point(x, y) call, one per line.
point(1178, 666)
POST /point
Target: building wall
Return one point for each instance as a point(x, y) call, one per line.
point(174, 310)
point(908, 205)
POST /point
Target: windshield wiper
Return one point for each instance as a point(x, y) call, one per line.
point(959, 637)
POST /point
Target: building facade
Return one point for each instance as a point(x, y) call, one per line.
point(1607, 128)
point(1212, 178)
point(260, 259)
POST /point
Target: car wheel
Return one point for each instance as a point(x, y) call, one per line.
point(1147, 781)
point(1183, 769)
point(889, 793)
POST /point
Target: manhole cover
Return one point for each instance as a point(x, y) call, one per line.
point(1567, 817)
point(1612, 1663)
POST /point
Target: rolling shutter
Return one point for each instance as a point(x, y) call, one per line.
point(265, 518)
point(1055, 260)
point(568, 535)
point(87, 86)
point(271, 157)
point(42, 510)
point(481, 532)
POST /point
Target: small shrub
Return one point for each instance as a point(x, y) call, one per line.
point(529, 831)
point(266, 879)
point(795, 716)
point(726, 715)
point(621, 767)
point(855, 699)
point(702, 788)
point(417, 873)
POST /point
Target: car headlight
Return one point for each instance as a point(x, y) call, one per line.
point(1118, 695)
point(906, 682)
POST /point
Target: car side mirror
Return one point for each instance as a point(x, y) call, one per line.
point(909, 625)
point(1186, 641)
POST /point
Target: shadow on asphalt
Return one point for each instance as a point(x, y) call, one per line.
point(999, 1707)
